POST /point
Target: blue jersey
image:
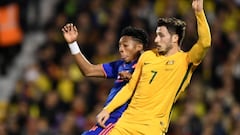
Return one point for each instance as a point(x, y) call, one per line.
point(112, 70)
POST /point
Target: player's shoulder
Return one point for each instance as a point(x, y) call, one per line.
point(115, 63)
point(149, 53)
point(181, 52)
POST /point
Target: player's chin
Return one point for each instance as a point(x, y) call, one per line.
point(126, 59)
point(159, 49)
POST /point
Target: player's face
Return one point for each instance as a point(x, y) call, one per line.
point(163, 40)
point(129, 49)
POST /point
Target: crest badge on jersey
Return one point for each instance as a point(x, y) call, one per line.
point(170, 62)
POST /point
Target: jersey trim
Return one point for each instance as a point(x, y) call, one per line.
point(105, 74)
point(184, 79)
point(180, 87)
point(107, 129)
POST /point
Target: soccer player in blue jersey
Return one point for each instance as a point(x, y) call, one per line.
point(132, 42)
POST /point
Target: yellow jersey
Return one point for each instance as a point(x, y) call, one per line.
point(158, 81)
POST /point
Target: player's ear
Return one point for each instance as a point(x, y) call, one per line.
point(175, 38)
point(139, 47)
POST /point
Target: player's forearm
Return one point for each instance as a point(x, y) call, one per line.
point(122, 97)
point(83, 63)
point(85, 66)
point(204, 34)
point(198, 51)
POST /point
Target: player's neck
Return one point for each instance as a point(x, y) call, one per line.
point(135, 59)
point(172, 51)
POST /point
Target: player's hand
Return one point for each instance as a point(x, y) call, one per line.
point(70, 33)
point(197, 5)
point(102, 117)
point(125, 75)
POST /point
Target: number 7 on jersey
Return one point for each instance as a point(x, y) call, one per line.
point(153, 76)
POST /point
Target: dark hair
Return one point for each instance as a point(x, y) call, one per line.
point(137, 34)
point(174, 26)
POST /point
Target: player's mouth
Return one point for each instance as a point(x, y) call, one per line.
point(158, 47)
point(123, 57)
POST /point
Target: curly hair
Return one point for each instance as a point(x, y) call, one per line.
point(137, 34)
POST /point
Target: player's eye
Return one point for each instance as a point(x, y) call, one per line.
point(125, 45)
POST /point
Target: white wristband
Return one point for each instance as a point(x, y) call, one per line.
point(74, 48)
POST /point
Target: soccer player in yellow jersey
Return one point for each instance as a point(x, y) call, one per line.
point(160, 76)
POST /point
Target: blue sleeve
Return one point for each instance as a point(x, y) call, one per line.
point(111, 68)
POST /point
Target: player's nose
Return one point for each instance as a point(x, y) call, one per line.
point(120, 49)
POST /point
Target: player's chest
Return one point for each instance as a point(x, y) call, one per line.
point(163, 64)
point(126, 68)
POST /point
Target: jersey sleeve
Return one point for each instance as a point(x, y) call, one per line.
point(128, 90)
point(198, 51)
point(111, 69)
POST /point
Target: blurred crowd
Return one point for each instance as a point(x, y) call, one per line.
point(52, 97)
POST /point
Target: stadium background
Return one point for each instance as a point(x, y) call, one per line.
point(44, 93)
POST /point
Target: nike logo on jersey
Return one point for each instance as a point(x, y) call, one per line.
point(146, 63)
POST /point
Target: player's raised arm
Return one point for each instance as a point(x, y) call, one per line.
point(199, 50)
point(70, 34)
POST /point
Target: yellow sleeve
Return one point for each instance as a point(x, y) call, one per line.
point(127, 91)
point(199, 49)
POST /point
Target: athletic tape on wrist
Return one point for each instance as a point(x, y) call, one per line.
point(74, 48)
